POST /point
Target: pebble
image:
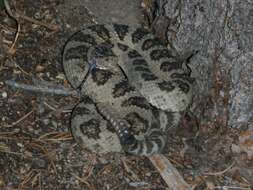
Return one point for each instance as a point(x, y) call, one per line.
point(4, 94)
point(39, 68)
point(46, 121)
point(39, 163)
point(20, 145)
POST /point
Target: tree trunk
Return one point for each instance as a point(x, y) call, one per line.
point(222, 33)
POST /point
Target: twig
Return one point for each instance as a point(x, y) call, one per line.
point(17, 16)
point(169, 173)
point(26, 179)
point(128, 170)
point(35, 179)
point(43, 89)
point(65, 109)
point(8, 9)
point(49, 26)
point(81, 180)
point(232, 187)
point(14, 153)
point(56, 136)
point(21, 119)
point(21, 69)
point(91, 167)
point(221, 172)
point(5, 149)
point(50, 107)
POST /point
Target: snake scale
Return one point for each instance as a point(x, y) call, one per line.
point(133, 89)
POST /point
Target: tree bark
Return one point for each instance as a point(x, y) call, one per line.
point(222, 33)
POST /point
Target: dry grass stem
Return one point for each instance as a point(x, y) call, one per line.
point(221, 172)
point(21, 119)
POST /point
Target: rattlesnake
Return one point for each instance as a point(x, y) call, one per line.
point(133, 89)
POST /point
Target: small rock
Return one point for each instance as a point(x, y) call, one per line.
point(39, 163)
point(54, 123)
point(39, 68)
point(46, 121)
point(20, 145)
point(4, 95)
point(61, 76)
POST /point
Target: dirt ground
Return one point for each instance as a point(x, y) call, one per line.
point(37, 150)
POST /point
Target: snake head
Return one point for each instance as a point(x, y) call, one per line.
point(102, 57)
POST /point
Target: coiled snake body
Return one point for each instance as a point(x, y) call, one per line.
point(133, 89)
